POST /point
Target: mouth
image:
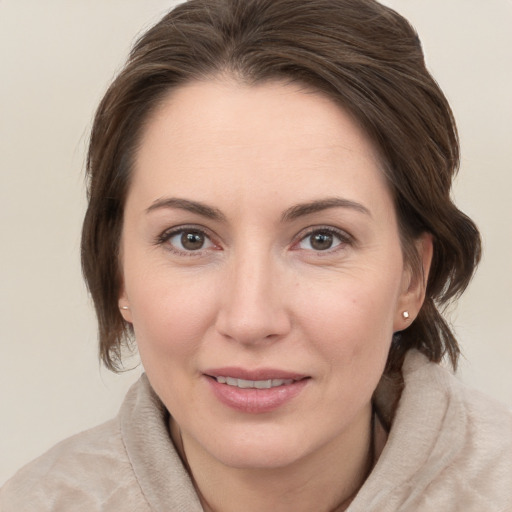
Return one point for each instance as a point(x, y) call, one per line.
point(253, 384)
point(256, 391)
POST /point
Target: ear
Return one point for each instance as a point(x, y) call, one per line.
point(124, 305)
point(414, 286)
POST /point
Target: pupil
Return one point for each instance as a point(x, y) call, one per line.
point(321, 241)
point(192, 241)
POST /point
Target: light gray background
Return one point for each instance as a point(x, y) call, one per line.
point(56, 59)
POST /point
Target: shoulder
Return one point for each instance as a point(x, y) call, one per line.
point(484, 460)
point(468, 463)
point(87, 472)
point(483, 425)
point(128, 464)
point(449, 448)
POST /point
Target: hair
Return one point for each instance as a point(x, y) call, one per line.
point(365, 57)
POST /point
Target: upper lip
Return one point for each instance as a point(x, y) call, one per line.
point(256, 374)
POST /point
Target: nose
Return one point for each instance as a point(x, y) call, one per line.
point(253, 305)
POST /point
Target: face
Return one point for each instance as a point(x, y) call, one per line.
point(262, 269)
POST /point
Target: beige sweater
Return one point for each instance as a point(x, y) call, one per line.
point(449, 449)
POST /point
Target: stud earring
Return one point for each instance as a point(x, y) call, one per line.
point(405, 315)
point(124, 307)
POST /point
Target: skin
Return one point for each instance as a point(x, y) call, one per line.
point(259, 293)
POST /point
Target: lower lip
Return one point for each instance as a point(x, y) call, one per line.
point(256, 400)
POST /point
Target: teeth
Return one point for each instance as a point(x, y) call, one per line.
point(263, 384)
point(253, 384)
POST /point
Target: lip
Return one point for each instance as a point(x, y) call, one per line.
point(255, 401)
point(257, 374)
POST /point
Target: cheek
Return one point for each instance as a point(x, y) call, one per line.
point(170, 315)
point(350, 319)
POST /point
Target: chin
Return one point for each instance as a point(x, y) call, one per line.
point(263, 457)
point(265, 450)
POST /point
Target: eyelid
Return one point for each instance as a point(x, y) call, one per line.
point(344, 237)
point(168, 233)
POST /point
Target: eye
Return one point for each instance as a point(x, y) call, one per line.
point(186, 240)
point(322, 239)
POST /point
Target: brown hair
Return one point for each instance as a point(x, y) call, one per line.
point(364, 56)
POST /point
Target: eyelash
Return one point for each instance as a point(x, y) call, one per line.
point(343, 237)
point(163, 239)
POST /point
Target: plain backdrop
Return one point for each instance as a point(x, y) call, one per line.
point(56, 60)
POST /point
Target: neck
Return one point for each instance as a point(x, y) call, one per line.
point(325, 481)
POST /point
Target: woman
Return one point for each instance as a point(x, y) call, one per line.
point(269, 219)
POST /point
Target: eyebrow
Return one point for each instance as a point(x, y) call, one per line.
point(188, 205)
point(301, 210)
point(290, 214)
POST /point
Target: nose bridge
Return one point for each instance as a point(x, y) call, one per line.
point(253, 307)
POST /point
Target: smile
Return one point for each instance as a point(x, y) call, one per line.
point(255, 391)
point(253, 384)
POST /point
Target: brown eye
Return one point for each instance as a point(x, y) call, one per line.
point(321, 241)
point(183, 241)
point(192, 240)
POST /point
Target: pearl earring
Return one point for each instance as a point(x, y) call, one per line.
point(405, 315)
point(124, 307)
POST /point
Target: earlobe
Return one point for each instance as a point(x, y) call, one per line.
point(124, 306)
point(415, 284)
point(126, 313)
point(123, 302)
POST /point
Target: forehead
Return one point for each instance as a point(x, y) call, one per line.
point(233, 113)
point(208, 137)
